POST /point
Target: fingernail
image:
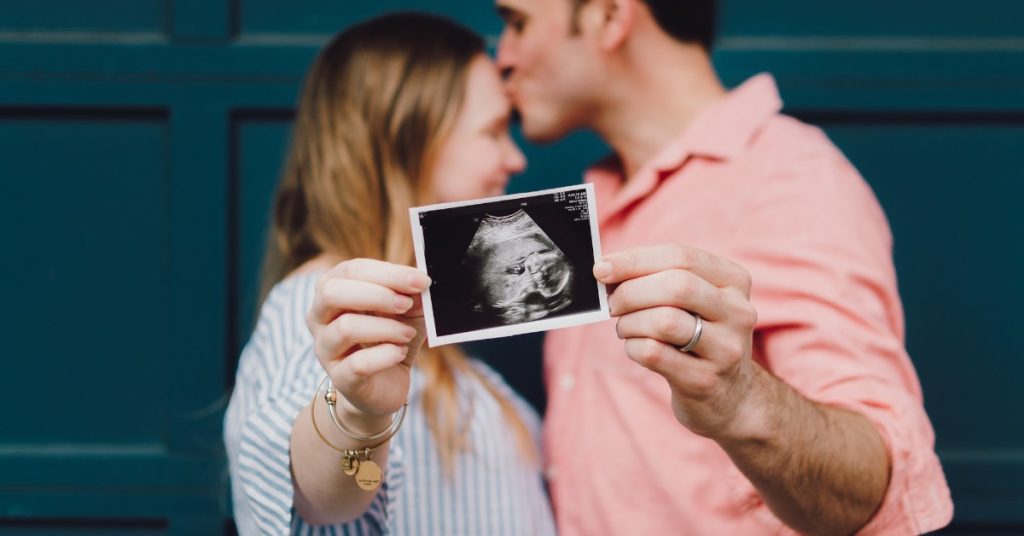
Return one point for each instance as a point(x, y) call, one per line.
point(602, 270)
point(410, 332)
point(420, 281)
point(403, 303)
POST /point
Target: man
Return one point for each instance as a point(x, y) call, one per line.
point(770, 306)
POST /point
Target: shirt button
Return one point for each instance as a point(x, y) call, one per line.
point(567, 382)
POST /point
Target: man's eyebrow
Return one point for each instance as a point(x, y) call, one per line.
point(506, 12)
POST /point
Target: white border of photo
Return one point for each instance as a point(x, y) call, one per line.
point(599, 315)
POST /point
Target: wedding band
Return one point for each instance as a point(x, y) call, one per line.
point(698, 328)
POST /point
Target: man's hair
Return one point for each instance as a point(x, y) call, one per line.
point(688, 21)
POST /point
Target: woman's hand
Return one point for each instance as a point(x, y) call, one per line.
point(367, 324)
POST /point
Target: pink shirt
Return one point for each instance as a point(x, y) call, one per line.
point(776, 196)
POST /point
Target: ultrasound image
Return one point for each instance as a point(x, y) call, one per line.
point(519, 273)
point(511, 261)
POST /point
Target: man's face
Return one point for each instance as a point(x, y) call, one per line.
point(550, 70)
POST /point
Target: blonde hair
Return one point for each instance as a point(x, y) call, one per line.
point(377, 102)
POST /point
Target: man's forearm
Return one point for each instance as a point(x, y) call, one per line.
point(820, 469)
point(686, 314)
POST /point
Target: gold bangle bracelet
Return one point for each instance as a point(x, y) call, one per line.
point(316, 428)
point(332, 400)
point(368, 475)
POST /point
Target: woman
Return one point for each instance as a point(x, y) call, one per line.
point(399, 111)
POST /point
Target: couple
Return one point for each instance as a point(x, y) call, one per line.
point(693, 411)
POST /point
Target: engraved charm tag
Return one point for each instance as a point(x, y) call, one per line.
point(368, 475)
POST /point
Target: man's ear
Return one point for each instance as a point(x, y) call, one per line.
point(618, 19)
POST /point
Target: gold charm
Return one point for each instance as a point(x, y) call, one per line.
point(368, 475)
point(350, 464)
point(330, 397)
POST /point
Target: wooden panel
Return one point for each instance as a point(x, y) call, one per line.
point(201, 21)
point(259, 144)
point(78, 527)
point(873, 18)
point(196, 244)
point(297, 18)
point(84, 216)
point(95, 16)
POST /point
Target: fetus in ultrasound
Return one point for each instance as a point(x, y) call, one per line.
point(519, 274)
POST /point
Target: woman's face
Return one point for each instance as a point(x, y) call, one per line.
point(479, 156)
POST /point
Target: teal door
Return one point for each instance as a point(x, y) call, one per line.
point(140, 140)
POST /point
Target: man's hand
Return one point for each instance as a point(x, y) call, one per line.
point(658, 291)
point(784, 443)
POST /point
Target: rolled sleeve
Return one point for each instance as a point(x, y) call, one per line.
point(257, 436)
point(918, 499)
point(831, 326)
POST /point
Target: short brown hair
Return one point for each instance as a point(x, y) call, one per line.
point(688, 21)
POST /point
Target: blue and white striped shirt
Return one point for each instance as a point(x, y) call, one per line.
point(492, 491)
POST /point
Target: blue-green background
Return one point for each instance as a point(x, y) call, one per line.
point(140, 140)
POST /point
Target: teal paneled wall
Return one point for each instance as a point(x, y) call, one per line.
point(109, 171)
point(115, 16)
point(951, 186)
point(140, 141)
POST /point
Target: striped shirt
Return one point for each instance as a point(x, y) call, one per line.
point(492, 490)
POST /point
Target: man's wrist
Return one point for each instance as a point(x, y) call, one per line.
point(756, 420)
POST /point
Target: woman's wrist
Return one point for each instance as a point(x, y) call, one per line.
point(355, 450)
point(357, 420)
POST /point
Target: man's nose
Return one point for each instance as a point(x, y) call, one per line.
point(504, 58)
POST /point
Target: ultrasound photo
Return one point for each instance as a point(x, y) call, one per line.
point(509, 265)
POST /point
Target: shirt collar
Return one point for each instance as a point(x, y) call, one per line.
point(722, 131)
point(725, 129)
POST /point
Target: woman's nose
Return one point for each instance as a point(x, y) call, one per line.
point(515, 160)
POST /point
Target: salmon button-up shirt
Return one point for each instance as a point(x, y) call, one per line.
point(777, 197)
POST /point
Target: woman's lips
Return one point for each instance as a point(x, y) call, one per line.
point(512, 93)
